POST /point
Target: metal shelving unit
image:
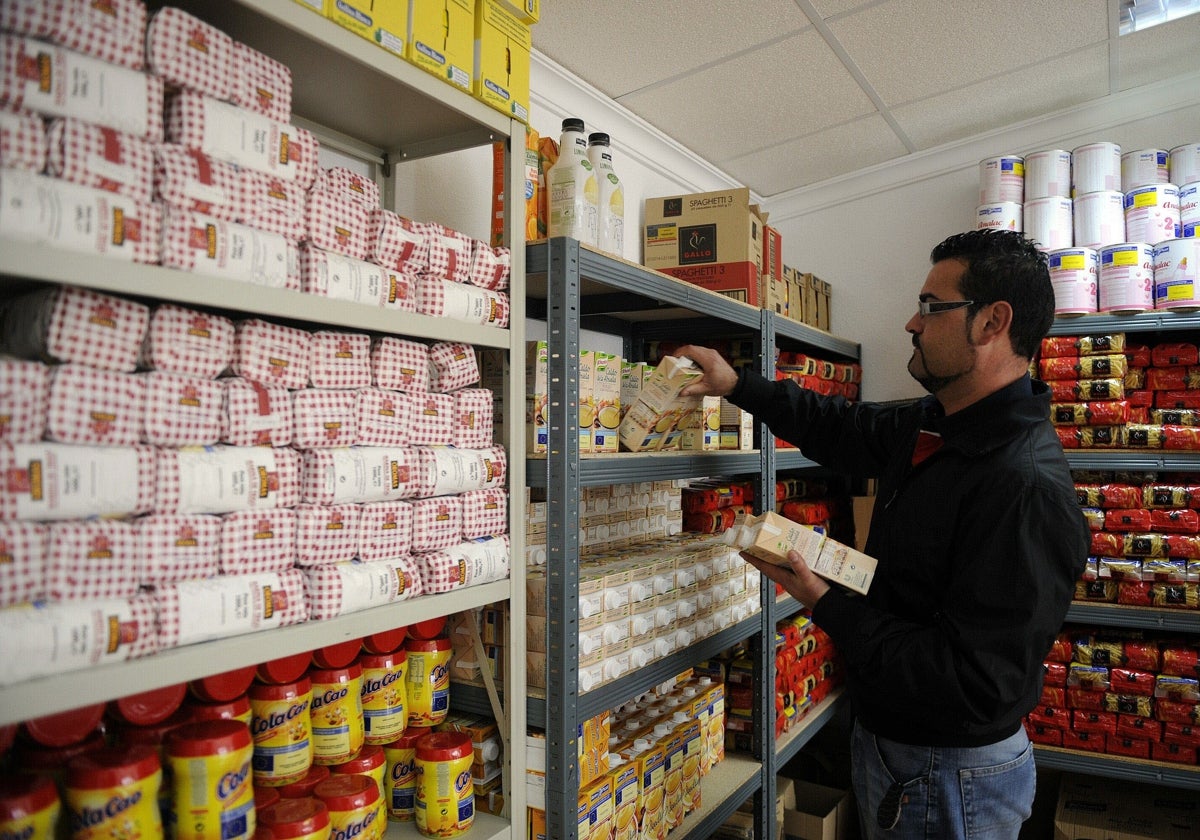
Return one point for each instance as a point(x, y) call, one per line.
point(352, 95)
point(575, 287)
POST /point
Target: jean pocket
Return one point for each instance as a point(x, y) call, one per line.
point(998, 798)
point(903, 763)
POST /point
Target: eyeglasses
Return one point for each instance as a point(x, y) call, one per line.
point(933, 307)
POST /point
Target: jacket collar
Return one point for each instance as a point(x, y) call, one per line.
point(993, 420)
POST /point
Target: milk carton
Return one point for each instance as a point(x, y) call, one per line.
point(606, 389)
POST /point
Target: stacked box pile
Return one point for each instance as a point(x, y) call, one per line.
point(166, 462)
point(824, 377)
point(1121, 693)
point(180, 152)
point(1145, 542)
point(710, 507)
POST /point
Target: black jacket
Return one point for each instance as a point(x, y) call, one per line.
point(979, 548)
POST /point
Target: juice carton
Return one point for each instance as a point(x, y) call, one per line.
point(537, 427)
point(659, 407)
point(587, 398)
point(606, 388)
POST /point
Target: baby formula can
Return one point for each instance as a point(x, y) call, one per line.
point(384, 700)
point(353, 803)
point(282, 731)
point(296, 819)
point(1048, 174)
point(212, 779)
point(1095, 167)
point(1098, 219)
point(1177, 274)
point(29, 807)
point(372, 763)
point(114, 793)
point(1002, 179)
point(1001, 215)
point(445, 804)
point(1074, 274)
point(337, 717)
point(1143, 167)
point(1152, 213)
point(1127, 278)
point(1049, 222)
point(400, 779)
point(1189, 209)
point(428, 680)
point(1185, 163)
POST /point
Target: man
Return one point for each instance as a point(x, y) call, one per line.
point(978, 535)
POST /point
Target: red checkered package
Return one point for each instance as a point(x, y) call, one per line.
point(271, 353)
point(437, 523)
point(485, 559)
point(326, 534)
point(22, 141)
point(100, 157)
point(346, 183)
point(236, 135)
point(324, 418)
point(112, 31)
point(337, 223)
point(67, 324)
point(340, 360)
point(63, 83)
point(452, 365)
point(383, 417)
point(256, 541)
point(229, 605)
point(358, 474)
point(56, 481)
point(396, 242)
point(440, 571)
point(349, 587)
point(261, 84)
point(206, 245)
point(432, 417)
point(474, 410)
point(441, 298)
point(449, 251)
point(275, 205)
point(400, 364)
point(189, 53)
point(384, 530)
point(224, 479)
point(59, 638)
point(175, 547)
point(59, 214)
point(187, 341)
point(489, 266)
point(484, 512)
point(402, 290)
point(443, 470)
point(91, 560)
point(181, 410)
point(24, 396)
point(190, 180)
point(27, 17)
point(22, 562)
point(333, 275)
point(94, 407)
point(256, 414)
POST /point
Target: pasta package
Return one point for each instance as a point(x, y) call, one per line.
point(1183, 545)
point(1127, 519)
point(1100, 591)
point(1175, 416)
point(1119, 568)
point(1128, 704)
point(1144, 436)
point(1181, 437)
point(1177, 399)
point(1180, 660)
point(1169, 354)
point(1144, 545)
point(1132, 681)
point(1168, 496)
point(1082, 345)
point(1091, 651)
point(1134, 379)
point(1177, 595)
point(1088, 437)
point(1082, 367)
point(1109, 496)
point(1075, 390)
point(1105, 413)
point(1165, 569)
point(1182, 521)
point(1178, 378)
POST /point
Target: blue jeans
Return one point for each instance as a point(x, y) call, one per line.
point(964, 792)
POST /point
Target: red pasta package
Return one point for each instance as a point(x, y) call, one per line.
point(1075, 390)
point(1142, 655)
point(1176, 399)
point(1132, 681)
point(1181, 661)
point(1166, 496)
point(1183, 545)
point(1106, 543)
point(1127, 519)
point(1183, 521)
point(1084, 720)
point(1061, 649)
point(1085, 698)
point(1172, 712)
point(1087, 437)
point(1177, 378)
point(1053, 695)
point(1132, 726)
point(1084, 741)
point(1109, 495)
point(1174, 353)
point(1181, 437)
point(1181, 733)
point(1137, 355)
point(1172, 752)
point(1054, 673)
point(1082, 345)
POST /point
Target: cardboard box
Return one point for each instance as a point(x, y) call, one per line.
point(775, 295)
point(441, 39)
point(824, 298)
point(772, 261)
point(820, 813)
point(587, 398)
point(796, 297)
point(659, 407)
point(713, 240)
point(606, 388)
point(1090, 807)
point(770, 537)
point(737, 427)
point(526, 11)
point(811, 290)
point(502, 46)
point(385, 24)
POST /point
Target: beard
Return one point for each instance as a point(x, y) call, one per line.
point(934, 382)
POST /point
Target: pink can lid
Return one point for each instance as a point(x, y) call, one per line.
point(337, 655)
point(427, 645)
point(327, 676)
point(265, 797)
point(238, 707)
point(428, 628)
point(285, 669)
point(65, 728)
point(385, 641)
point(295, 817)
point(149, 707)
point(154, 734)
point(347, 793)
point(112, 767)
point(23, 796)
point(369, 758)
point(304, 787)
point(380, 661)
point(280, 691)
point(221, 688)
point(444, 746)
point(207, 737)
point(408, 738)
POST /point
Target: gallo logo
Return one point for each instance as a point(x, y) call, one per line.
point(697, 244)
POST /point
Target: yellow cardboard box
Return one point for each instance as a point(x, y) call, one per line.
point(526, 11)
point(441, 39)
point(385, 22)
point(321, 7)
point(502, 46)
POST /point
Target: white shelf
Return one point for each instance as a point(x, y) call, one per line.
point(57, 693)
point(485, 827)
point(725, 787)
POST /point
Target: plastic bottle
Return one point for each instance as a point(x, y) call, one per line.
point(611, 200)
point(574, 192)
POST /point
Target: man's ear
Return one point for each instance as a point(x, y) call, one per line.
point(994, 321)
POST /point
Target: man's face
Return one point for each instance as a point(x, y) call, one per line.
point(943, 350)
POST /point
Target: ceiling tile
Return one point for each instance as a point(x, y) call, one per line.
point(815, 157)
point(1160, 52)
point(832, 8)
point(1012, 98)
point(790, 88)
point(624, 46)
point(912, 49)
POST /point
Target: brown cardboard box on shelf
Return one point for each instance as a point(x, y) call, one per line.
point(775, 295)
point(712, 239)
point(1090, 807)
point(796, 296)
point(820, 813)
point(772, 262)
point(812, 286)
point(824, 299)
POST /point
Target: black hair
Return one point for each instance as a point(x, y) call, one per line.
point(1004, 265)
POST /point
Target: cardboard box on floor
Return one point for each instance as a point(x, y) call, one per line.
point(819, 813)
point(1107, 809)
